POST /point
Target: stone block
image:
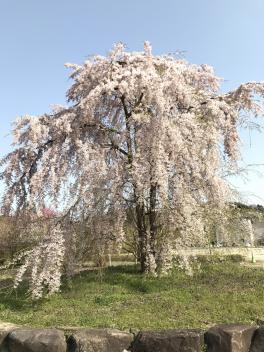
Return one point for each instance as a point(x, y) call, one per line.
point(36, 340)
point(99, 340)
point(257, 344)
point(229, 338)
point(169, 341)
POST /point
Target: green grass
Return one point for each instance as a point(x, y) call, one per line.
point(122, 298)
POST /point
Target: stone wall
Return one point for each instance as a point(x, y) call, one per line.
point(220, 338)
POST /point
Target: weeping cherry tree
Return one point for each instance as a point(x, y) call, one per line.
point(142, 134)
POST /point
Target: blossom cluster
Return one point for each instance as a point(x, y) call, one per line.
point(44, 264)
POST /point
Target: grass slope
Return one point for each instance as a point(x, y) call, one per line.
point(122, 298)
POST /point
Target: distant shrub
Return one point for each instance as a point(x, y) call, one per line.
point(235, 258)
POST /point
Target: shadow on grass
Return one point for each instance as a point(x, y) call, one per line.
point(18, 300)
point(129, 277)
point(214, 276)
point(129, 280)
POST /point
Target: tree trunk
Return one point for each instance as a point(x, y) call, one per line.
point(147, 235)
point(153, 219)
point(142, 237)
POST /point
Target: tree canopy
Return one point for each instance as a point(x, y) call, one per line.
point(142, 134)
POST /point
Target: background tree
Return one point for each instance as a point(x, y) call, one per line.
point(142, 133)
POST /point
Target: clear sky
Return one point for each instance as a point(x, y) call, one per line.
point(38, 37)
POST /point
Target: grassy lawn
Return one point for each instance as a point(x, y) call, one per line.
point(122, 298)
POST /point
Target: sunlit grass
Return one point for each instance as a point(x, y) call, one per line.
point(121, 297)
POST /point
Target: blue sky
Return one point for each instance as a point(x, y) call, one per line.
point(38, 37)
